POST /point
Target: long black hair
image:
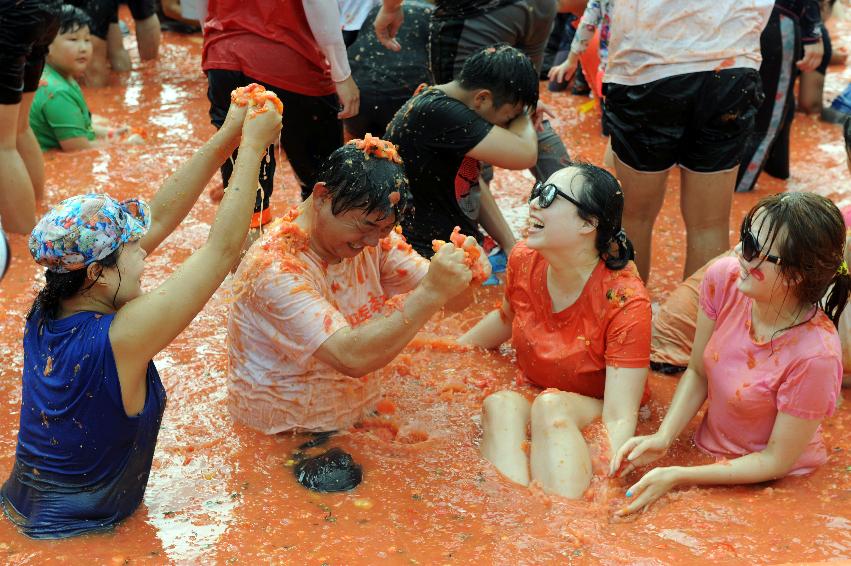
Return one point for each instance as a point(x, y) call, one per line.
point(61, 286)
point(811, 253)
point(601, 198)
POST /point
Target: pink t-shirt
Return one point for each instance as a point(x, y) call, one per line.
point(799, 373)
point(288, 302)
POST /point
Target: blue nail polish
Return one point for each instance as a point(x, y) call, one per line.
point(628, 493)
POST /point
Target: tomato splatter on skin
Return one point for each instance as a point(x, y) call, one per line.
point(328, 322)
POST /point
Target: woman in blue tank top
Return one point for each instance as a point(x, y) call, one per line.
point(92, 400)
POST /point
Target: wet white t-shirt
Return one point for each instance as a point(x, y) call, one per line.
point(288, 302)
point(656, 39)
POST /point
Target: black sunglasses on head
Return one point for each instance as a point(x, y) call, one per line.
point(546, 194)
point(751, 248)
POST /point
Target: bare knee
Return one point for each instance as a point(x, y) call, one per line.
point(554, 409)
point(97, 73)
point(148, 37)
point(502, 404)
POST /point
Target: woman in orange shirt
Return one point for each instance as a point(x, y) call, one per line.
point(578, 316)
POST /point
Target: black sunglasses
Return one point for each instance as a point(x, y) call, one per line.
point(751, 248)
point(546, 194)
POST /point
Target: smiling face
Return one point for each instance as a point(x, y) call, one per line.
point(348, 233)
point(559, 226)
point(70, 52)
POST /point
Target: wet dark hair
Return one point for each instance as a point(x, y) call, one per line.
point(601, 198)
point(72, 18)
point(811, 253)
point(61, 286)
point(503, 70)
point(846, 131)
point(357, 180)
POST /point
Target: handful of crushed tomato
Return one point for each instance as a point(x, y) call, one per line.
point(255, 96)
point(471, 255)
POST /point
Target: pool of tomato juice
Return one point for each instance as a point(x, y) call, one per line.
point(222, 493)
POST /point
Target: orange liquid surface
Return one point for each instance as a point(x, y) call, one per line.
point(222, 493)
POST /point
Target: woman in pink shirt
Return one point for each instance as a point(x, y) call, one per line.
point(766, 354)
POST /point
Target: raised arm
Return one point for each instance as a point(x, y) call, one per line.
point(180, 191)
point(514, 147)
point(147, 324)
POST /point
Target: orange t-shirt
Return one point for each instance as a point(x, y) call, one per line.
point(608, 325)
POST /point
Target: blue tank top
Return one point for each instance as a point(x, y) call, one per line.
point(81, 463)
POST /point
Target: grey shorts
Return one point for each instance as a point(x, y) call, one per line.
point(525, 24)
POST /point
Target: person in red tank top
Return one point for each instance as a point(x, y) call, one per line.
point(294, 48)
point(578, 316)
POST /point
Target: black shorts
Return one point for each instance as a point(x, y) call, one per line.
point(105, 12)
point(27, 28)
point(700, 121)
point(310, 134)
point(828, 51)
point(376, 111)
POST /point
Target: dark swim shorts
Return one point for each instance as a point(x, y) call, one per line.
point(698, 120)
point(105, 12)
point(27, 28)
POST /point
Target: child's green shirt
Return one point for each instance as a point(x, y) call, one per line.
point(59, 111)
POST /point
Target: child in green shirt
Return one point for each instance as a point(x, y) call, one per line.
point(59, 116)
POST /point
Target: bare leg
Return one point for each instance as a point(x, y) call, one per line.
point(504, 418)
point(119, 59)
point(560, 459)
point(148, 37)
point(97, 73)
point(705, 203)
point(643, 195)
point(811, 93)
point(28, 147)
point(492, 219)
point(17, 199)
